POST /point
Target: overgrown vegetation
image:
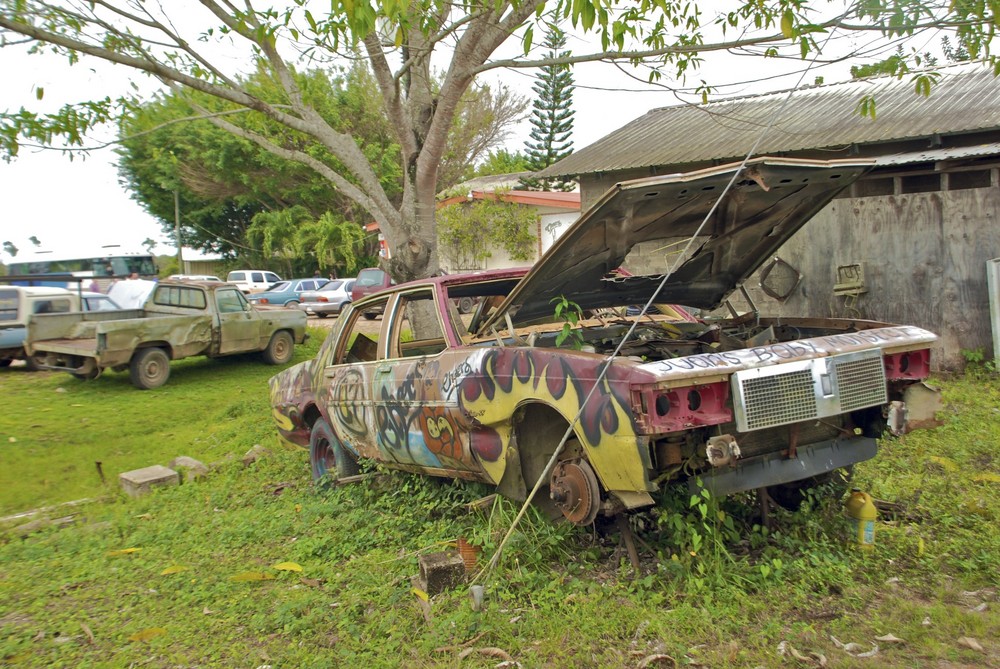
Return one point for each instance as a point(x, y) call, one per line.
point(469, 232)
point(207, 573)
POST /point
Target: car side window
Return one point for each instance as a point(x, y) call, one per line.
point(54, 306)
point(357, 341)
point(257, 277)
point(270, 277)
point(229, 301)
point(415, 329)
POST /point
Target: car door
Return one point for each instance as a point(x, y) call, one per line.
point(239, 325)
point(345, 390)
point(415, 395)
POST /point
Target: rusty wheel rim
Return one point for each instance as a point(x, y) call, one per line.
point(575, 491)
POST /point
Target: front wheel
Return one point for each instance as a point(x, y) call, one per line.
point(327, 457)
point(150, 368)
point(321, 314)
point(370, 315)
point(5, 363)
point(280, 349)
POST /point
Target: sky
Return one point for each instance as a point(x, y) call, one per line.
point(68, 203)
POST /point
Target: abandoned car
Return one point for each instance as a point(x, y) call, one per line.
point(653, 400)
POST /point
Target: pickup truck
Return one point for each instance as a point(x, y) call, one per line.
point(598, 413)
point(179, 319)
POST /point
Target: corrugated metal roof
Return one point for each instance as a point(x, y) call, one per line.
point(965, 98)
point(934, 155)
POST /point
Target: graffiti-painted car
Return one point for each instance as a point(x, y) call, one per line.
point(654, 399)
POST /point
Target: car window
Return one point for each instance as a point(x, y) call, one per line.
point(332, 285)
point(229, 301)
point(279, 287)
point(236, 276)
point(307, 285)
point(99, 304)
point(179, 296)
point(271, 277)
point(415, 328)
point(8, 305)
point(369, 277)
point(52, 306)
point(357, 343)
point(257, 277)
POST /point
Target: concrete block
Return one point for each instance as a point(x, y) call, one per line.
point(440, 572)
point(138, 482)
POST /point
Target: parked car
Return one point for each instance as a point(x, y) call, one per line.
point(252, 280)
point(19, 303)
point(179, 319)
point(287, 293)
point(194, 277)
point(97, 302)
point(625, 405)
point(329, 299)
point(370, 281)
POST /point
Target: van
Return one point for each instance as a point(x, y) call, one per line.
point(252, 280)
point(370, 281)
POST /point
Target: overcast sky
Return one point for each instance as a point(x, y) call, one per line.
point(68, 203)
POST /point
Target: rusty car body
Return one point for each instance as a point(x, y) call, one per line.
point(650, 400)
point(179, 319)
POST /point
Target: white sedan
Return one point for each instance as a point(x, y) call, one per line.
point(329, 299)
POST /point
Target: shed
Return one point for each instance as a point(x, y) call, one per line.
point(908, 243)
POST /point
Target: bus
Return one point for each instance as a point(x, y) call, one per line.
point(104, 265)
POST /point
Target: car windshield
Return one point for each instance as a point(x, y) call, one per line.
point(372, 278)
point(333, 285)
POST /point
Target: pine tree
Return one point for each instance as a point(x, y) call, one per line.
point(551, 116)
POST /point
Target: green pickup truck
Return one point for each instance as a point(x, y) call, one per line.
point(179, 319)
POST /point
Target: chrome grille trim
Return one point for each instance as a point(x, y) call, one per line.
point(806, 389)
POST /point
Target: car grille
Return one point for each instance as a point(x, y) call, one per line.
point(803, 390)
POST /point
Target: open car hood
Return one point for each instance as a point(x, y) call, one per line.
point(770, 201)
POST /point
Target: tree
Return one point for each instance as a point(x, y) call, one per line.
point(502, 162)
point(224, 181)
point(399, 40)
point(551, 115)
point(10, 249)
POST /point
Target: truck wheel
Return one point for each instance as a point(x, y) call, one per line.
point(327, 457)
point(150, 368)
point(465, 305)
point(279, 350)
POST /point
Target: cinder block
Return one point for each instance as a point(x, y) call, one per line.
point(138, 482)
point(440, 572)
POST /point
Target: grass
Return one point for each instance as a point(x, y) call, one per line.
point(716, 589)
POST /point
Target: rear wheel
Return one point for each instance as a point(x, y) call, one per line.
point(280, 349)
point(321, 314)
point(292, 303)
point(150, 368)
point(465, 305)
point(327, 457)
point(5, 363)
point(87, 376)
point(370, 315)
